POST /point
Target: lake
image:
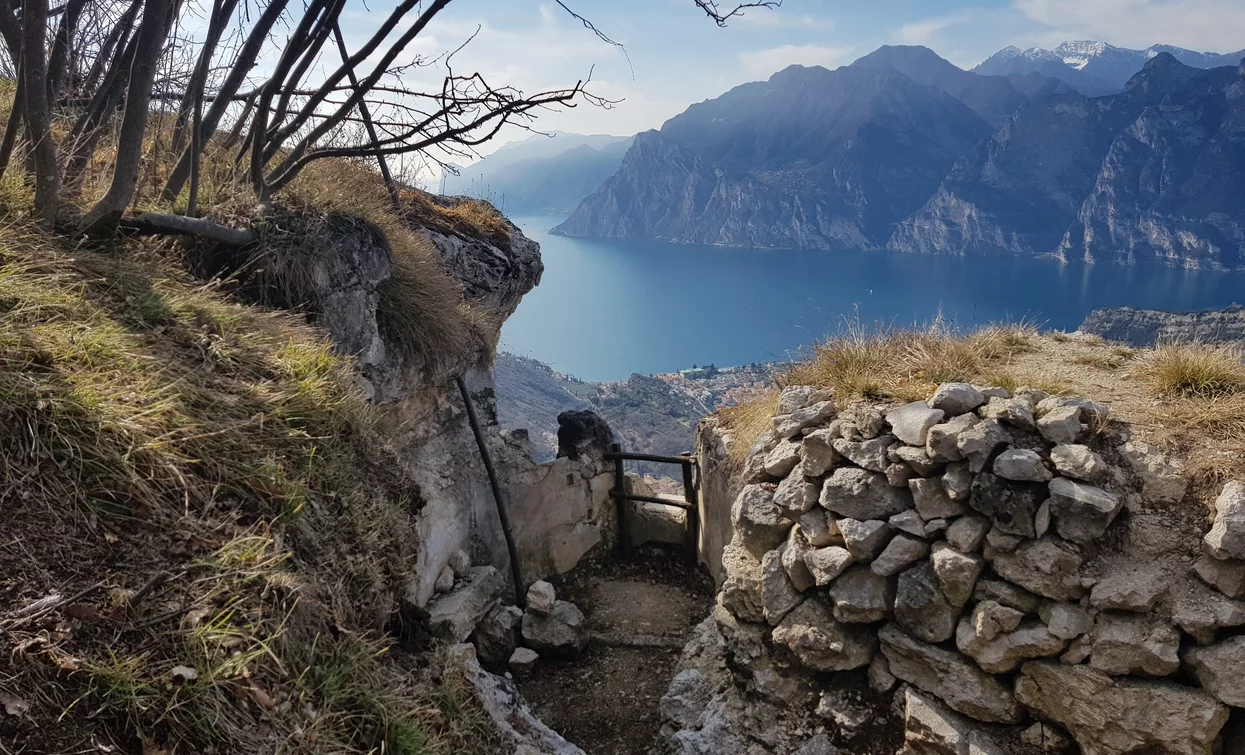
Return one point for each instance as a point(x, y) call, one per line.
point(605, 309)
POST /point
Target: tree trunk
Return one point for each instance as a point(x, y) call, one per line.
point(38, 111)
point(14, 123)
point(103, 217)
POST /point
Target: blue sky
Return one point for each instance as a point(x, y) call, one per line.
point(675, 56)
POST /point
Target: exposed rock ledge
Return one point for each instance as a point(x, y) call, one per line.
point(1145, 327)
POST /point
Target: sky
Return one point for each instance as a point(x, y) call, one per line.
point(672, 55)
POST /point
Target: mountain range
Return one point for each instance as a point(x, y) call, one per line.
point(905, 151)
point(543, 174)
point(1094, 67)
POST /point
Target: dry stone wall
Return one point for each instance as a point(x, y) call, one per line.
point(985, 572)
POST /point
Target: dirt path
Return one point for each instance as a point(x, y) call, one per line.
point(640, 613)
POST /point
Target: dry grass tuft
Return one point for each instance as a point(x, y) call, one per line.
point(748, 420)
point(205, 477)
point(1194, 369)
point(907, 364)
point(1114, 359)
point(456, 216)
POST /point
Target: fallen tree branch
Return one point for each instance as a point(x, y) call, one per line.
point(165, 224)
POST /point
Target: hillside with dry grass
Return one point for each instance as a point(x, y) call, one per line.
point(1187, 398)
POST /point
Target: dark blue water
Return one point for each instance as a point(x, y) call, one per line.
point(606, 309)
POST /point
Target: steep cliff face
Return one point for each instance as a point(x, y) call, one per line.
point(1145, 327)
point(809, 159)
point(1147, 175)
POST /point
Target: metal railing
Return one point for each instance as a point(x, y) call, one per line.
point(689, 504)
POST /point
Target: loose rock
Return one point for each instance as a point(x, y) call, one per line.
point(864, 540)
point(759, 523)
point(1079, 462)
point(915, 458)
point(930, 728)
point(1082, 512)
point(1132, 644)
point(978, 443)
point(967, 533)
point(798, 547)
point(950, 676)
point(990, 619)
point(820, 528)
point(541, 597)
point(1005, 651)
point(911, 422)
point(1006, 594)
point(793, 398)
point(932, 502)
point(1130, 590)
point(821, 642)
point(903, 549)
point(780, 461)
point(1161, 481)
point(1226, 538)
point(445, 580)
point(1201, 612)
point(741, 590)
point(795, 495)
point(958, 481)
point(1043, 567)
point(957, 572)
point(819, 454)
point(1022, 465)
point(826, 564)
point(523, 660)
point(908, 521)
point(454, 615)
point(860, 494)
point(956, 398)
point(1228, 577)
point(1065, 620)
point(559, 633)
point(921, 608)
point(897, 475)
point(1108, 716)
point(870, 454)
point(942, 442)
point(861, 597)
point(1011, 505)
point(787, 426)
point(778, 594)
point(1046, 738)
point(1013, 411)
point(881, 680)
point(1061, 425)
point(1221, 669)
point(497, 635)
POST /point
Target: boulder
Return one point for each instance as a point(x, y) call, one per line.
point(956, 398)
point(522, 660)
point(497, 635)
point(1061, 425)
point(795, 495)
point(1134, 644)
point(921, 608)
point(1161, 481)
point(820, 528)
point(827, 563)
point(1227, 576)
point(911, 422)
point(778, 594)
point(797, 548)
point(1005, 651)
point(759, 523)
point(951, 677)
point(915, 458)
point(1113, 716)
point(541, 597)
point(931, 501)
point(822, 643)
point(454, 615)
point(942, 441)
point(967, 533)
point(908, 521)
point(1082, 512)
point(957, 572)
point(782, 459)
point(1226, 538)
point(930, 728)
point(870, 454)
point(860, 494)
point(1221, 669)
point(864, 540)
point(861, 597)
point(1078, 462)
point(559, 633)
point(1022, 465)
point(1016, 411)
point(903, 549)
point(789, 425)
point(819, 455)
point(1046, 567)
point(741, 590)
point(978, 443)
point(1065, 620)
point(1011, 505)
point(1129, 590)
point(957, 481)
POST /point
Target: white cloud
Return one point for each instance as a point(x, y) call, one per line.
point(926, 31)
point(768, 18)
point(762, 63)
point(1215, 25)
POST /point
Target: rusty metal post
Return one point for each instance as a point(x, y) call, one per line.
point(693, 513)
point(620, 499)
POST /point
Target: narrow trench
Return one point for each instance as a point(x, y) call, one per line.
point(640, 612)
